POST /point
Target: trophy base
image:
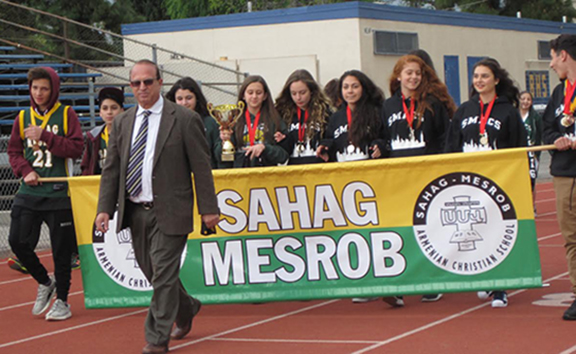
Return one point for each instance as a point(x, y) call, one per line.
point(227, 157)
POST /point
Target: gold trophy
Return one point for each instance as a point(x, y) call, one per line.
point(226, 115)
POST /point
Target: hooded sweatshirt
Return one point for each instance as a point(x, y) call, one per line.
point(340, 149)
point(302, 153)
point(56, 145)
point(427, 138)
point(504, 127)
point(563, 162)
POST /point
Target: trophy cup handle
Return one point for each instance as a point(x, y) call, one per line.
point(241, 106)
point(210, 107)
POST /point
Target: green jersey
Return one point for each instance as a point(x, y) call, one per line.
point(38, 155)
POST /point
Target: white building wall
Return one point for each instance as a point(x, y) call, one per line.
point(278, 49)
point(515, 50)
point(327, 48)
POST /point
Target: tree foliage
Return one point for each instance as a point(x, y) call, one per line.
point(551, 10)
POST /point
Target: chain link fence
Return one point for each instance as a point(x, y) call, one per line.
point(91, 58)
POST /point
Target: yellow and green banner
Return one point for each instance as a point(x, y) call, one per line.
point(419, 225)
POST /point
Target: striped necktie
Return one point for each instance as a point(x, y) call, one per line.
point(137, 152)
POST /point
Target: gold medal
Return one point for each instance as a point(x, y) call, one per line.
point(567, 120)
point(484, 139)
point(35, 146)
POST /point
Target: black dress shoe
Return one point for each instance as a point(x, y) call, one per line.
point(155, 349)
point(570, 314)
point(180, 331)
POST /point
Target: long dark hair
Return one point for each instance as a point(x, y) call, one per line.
point(429, 86)
point(505, 87)
point(187, 83)
point(268, 113)
point(331, 91)
point(366, 115)
point(319, 105)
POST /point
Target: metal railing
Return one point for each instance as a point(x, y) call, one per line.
point(93, 50)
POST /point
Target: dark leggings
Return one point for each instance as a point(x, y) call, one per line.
point(24, 234)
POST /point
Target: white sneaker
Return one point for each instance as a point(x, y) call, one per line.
point(431, 297)
point(59, 311)
point(484, 295)
point(500, 299)
point(394, 301)
point(361, 300)
point(44, 296)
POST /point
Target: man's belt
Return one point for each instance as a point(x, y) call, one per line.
point(145, 205)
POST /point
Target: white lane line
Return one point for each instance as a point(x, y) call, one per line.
point(27, 277)
point(40, 256)
point(64, 330)
point(32, 302)
point(24, 278)
point(445, 319)
point(549, 236)
point(570, 350)
point(545, 200)
point(546, 214)
point(313, 341)
point(544, 190)
point(271, 319)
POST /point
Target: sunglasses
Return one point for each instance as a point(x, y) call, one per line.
point(137, 83)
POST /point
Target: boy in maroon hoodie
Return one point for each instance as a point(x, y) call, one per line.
point(44, 140)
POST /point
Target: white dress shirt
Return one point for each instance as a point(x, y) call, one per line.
point(147, 194)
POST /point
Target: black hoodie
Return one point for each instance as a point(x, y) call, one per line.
point(563, 162)
point(306, 153)
point(428, 138)
point(504, 127)
point(339, 146)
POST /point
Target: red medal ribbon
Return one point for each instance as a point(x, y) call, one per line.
point(302, 126)
point(568, 97)
point(349, 116)
point(409, 114)
point(252, 127)
point(484, 117)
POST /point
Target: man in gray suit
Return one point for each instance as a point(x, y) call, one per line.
point(152, 151)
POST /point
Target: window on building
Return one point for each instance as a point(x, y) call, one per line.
point(538, 84)
point(395, 43)
point(544, 50)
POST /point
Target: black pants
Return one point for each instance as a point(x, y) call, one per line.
point(24, 234)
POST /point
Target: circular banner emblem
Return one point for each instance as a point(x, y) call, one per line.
point(116, 257)
point(465, 223)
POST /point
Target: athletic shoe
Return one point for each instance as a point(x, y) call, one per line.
point(361, 300)
point(394, 301)
point(60, 311)
point(499, 299)
point(75, 261)
point(45, 294)
point(484, 295)
point(431, 297)
point(570, 314)
point(14, 263)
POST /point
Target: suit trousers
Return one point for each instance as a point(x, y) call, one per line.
point(158, 256)
point(24, 233)
point(566, 211)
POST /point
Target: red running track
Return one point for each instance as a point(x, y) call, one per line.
point(459, 323)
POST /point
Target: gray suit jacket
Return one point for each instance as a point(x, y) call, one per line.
point(181, 149)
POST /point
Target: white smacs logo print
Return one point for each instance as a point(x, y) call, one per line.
point(464, 223)
point(116, 257)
